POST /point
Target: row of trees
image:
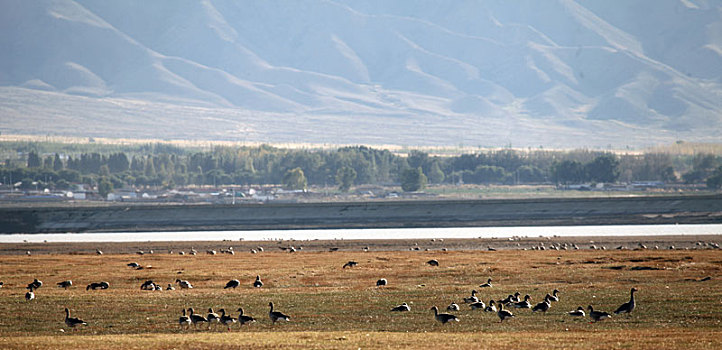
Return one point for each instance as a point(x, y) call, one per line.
point(349, 166)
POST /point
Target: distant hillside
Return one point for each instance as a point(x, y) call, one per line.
point(528, 73)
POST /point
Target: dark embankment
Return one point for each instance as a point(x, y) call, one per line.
point(530, 212)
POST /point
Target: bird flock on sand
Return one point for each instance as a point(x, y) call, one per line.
point(502, 307)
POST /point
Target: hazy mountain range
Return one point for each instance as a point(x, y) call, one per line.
point(489, 73)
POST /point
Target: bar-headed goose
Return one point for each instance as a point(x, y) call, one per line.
point(401, 308)
point(258, 283)
point(579, 312)
point(491, 307)
point(443, 318)
point(243, 318)
point(277, 315)
point(30, 295)
point(184, 284)
point(472, 298)
point(597, 316)
point(554, 297)
point(503, 314)
point(226, 320)
point(627, 307)
point(543, 306)
point(196, 318)
point(524, 304)
point(381, 282)
point(184, 320)
point(65, 284)
point(72, 322)
point(452, 307)
point(232, 284)
point(487, 284)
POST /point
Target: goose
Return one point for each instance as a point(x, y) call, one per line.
point(472, 298)
point(258, 283)
point(491, 307)
point(524, 304)
point(73, 321)
point(147, 285)
point(598, 315)
point(512, 298)
point(401, 308)
point(184, 284)
point(381, 282)
point(98, 285)
point(452, 307)
point(158, 287)
point(2, 284)
point(554, 297)
point(232, 284)
point(543, 306)
point(133, 264)
point(30, 295)
point(277, 315)
point(503, 314)
point(212, 317)
point(487, 284)
point(184, 320)
point(479, 305)
point(36, 284)
point(627, 307)
point(170, 287)
point(99, 252)
point(226, 320)
point(433, 262)
point(443, 318)
point(350, 264)
point(579, 312)
point(196, 318)
point(65, 284)
point(242, 318)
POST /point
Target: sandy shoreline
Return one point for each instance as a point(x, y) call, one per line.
point(302, 246)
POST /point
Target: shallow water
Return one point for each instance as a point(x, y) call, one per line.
point(390, 233)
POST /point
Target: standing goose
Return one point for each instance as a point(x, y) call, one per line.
point(627, 307)
point(554, 297)
point(491, 307)
point(487, 284)
point(443, 318)
point(277, 315)
point(579, 312)
point(401, 308)
point(73, 321)
point(184, 284)
point(543, 306)
point(524, 304)
point(184, 320)
point(30, 295)
point(598, 315)
point(65, 284)
point(232, 284)
point(472, 298)
point(227, 320)
point(212, 317)
point(452, 307)
point(258, 283)
point(196, 318)
point(503, 314)
point(242, 318)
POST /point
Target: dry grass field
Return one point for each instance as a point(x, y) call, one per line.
point(335, 308)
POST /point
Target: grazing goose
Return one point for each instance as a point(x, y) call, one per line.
point(503, 314)
point(487, 284)
point(98, 285)
point(65, 284)
point(232, 284)
point(170, 287)
point(452, 307)
point(184, 284)
point(242, 318)
point(554, 297)
point(184, 320)
point(524, 304)
point(433, 262)
point(598, 315)
point(212, 317)
point(479, 305)
point(196, 318)
point(277, 315)
point(258, 283)
point(491, 307)
point(227, 320)
point(443, 318)
point(543, 306)
point(30, 295)
point(36, 284)
point(350, 264)
point(472, 298)
point(579, 312)
point(147, 285)
point(401, 308)
point(627, 307)
point(381, 282)
point(73, 321)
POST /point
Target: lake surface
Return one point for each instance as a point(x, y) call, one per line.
point(390, 233)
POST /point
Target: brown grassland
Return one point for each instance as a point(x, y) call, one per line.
point(335, 308)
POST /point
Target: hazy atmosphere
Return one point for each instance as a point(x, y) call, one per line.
point(475, 73)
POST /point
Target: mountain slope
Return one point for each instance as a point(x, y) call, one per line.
point(529, 73)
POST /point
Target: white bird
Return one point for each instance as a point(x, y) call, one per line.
point(401, 308)
point(184, 284)
point(443, 318)
point(258, 283)
point(232, 284)
point(72, 322)
point(277, 315)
